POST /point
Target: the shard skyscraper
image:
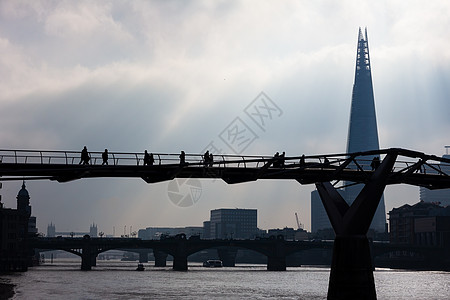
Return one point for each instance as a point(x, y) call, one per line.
point(362, 130)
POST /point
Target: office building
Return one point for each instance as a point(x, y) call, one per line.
point(236, 223)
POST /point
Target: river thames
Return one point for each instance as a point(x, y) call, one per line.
point(114, 279)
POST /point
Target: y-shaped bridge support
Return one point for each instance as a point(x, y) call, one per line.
point(351, 275)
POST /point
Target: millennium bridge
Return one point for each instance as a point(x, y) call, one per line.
point(415, 168)
point(351, 272)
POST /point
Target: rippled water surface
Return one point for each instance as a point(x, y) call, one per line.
point(119, 280)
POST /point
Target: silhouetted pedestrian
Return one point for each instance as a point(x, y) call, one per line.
point(148, 159)
point(105, 157)
point(302, 161)
point(211, 159)
point(182, 158)
point(84, 156)
point(281, 160)
point(206, 158)
point(276, 161)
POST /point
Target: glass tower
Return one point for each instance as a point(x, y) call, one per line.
point(362, 130)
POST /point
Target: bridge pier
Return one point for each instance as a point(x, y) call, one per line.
point(180, 255)
point(180, 262)
point(276, 260)
point(227, 256)
point(143, 256)
point(351, 275)
point(86, 257)
point(160, 258)
point(86, 261)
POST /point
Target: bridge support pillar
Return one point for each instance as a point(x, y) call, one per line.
point(143, 256)
point(86, 261)
point(276, 261)
point(160, 258)
point(180, 255)
point(351, 275)
point(227, 256)
point(88, 254)
point(180, 262)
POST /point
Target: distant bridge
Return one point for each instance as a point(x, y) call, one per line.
point(276, 249)
point(415, 168)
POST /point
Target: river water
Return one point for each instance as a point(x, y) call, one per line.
point(114, 279)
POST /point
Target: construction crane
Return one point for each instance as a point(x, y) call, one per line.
point(299, 225)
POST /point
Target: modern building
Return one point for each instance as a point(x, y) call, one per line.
point(362, 130)
point(441, 197)
point(16, 225)
point(362, 136)
point(226, 223)
point(207, 230)
point(319, 217)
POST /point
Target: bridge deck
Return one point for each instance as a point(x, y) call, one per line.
point(414, 168)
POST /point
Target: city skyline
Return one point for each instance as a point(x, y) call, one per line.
point(153, 75)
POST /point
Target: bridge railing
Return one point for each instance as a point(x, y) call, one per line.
point(362, 161)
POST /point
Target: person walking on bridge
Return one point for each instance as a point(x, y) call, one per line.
point(84, 156)
point(105, 157)
point(182, 158)
point(148, 159)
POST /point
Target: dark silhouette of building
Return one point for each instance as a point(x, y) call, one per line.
point(289, 234)
point(16, 225)
point(362, 129)
point(362, 135)
point(51, 231)
point(155, 233)
point(207, 229)
point(420, 224)
point(226, 223)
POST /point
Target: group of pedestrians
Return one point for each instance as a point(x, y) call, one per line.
point(278, 160)
point(85, 157)
point(208, 159)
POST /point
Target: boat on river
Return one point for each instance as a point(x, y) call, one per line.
point(213, 263)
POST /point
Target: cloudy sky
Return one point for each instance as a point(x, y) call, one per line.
point(172, 75)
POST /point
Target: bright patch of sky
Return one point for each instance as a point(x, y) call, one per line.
point(171, 75)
